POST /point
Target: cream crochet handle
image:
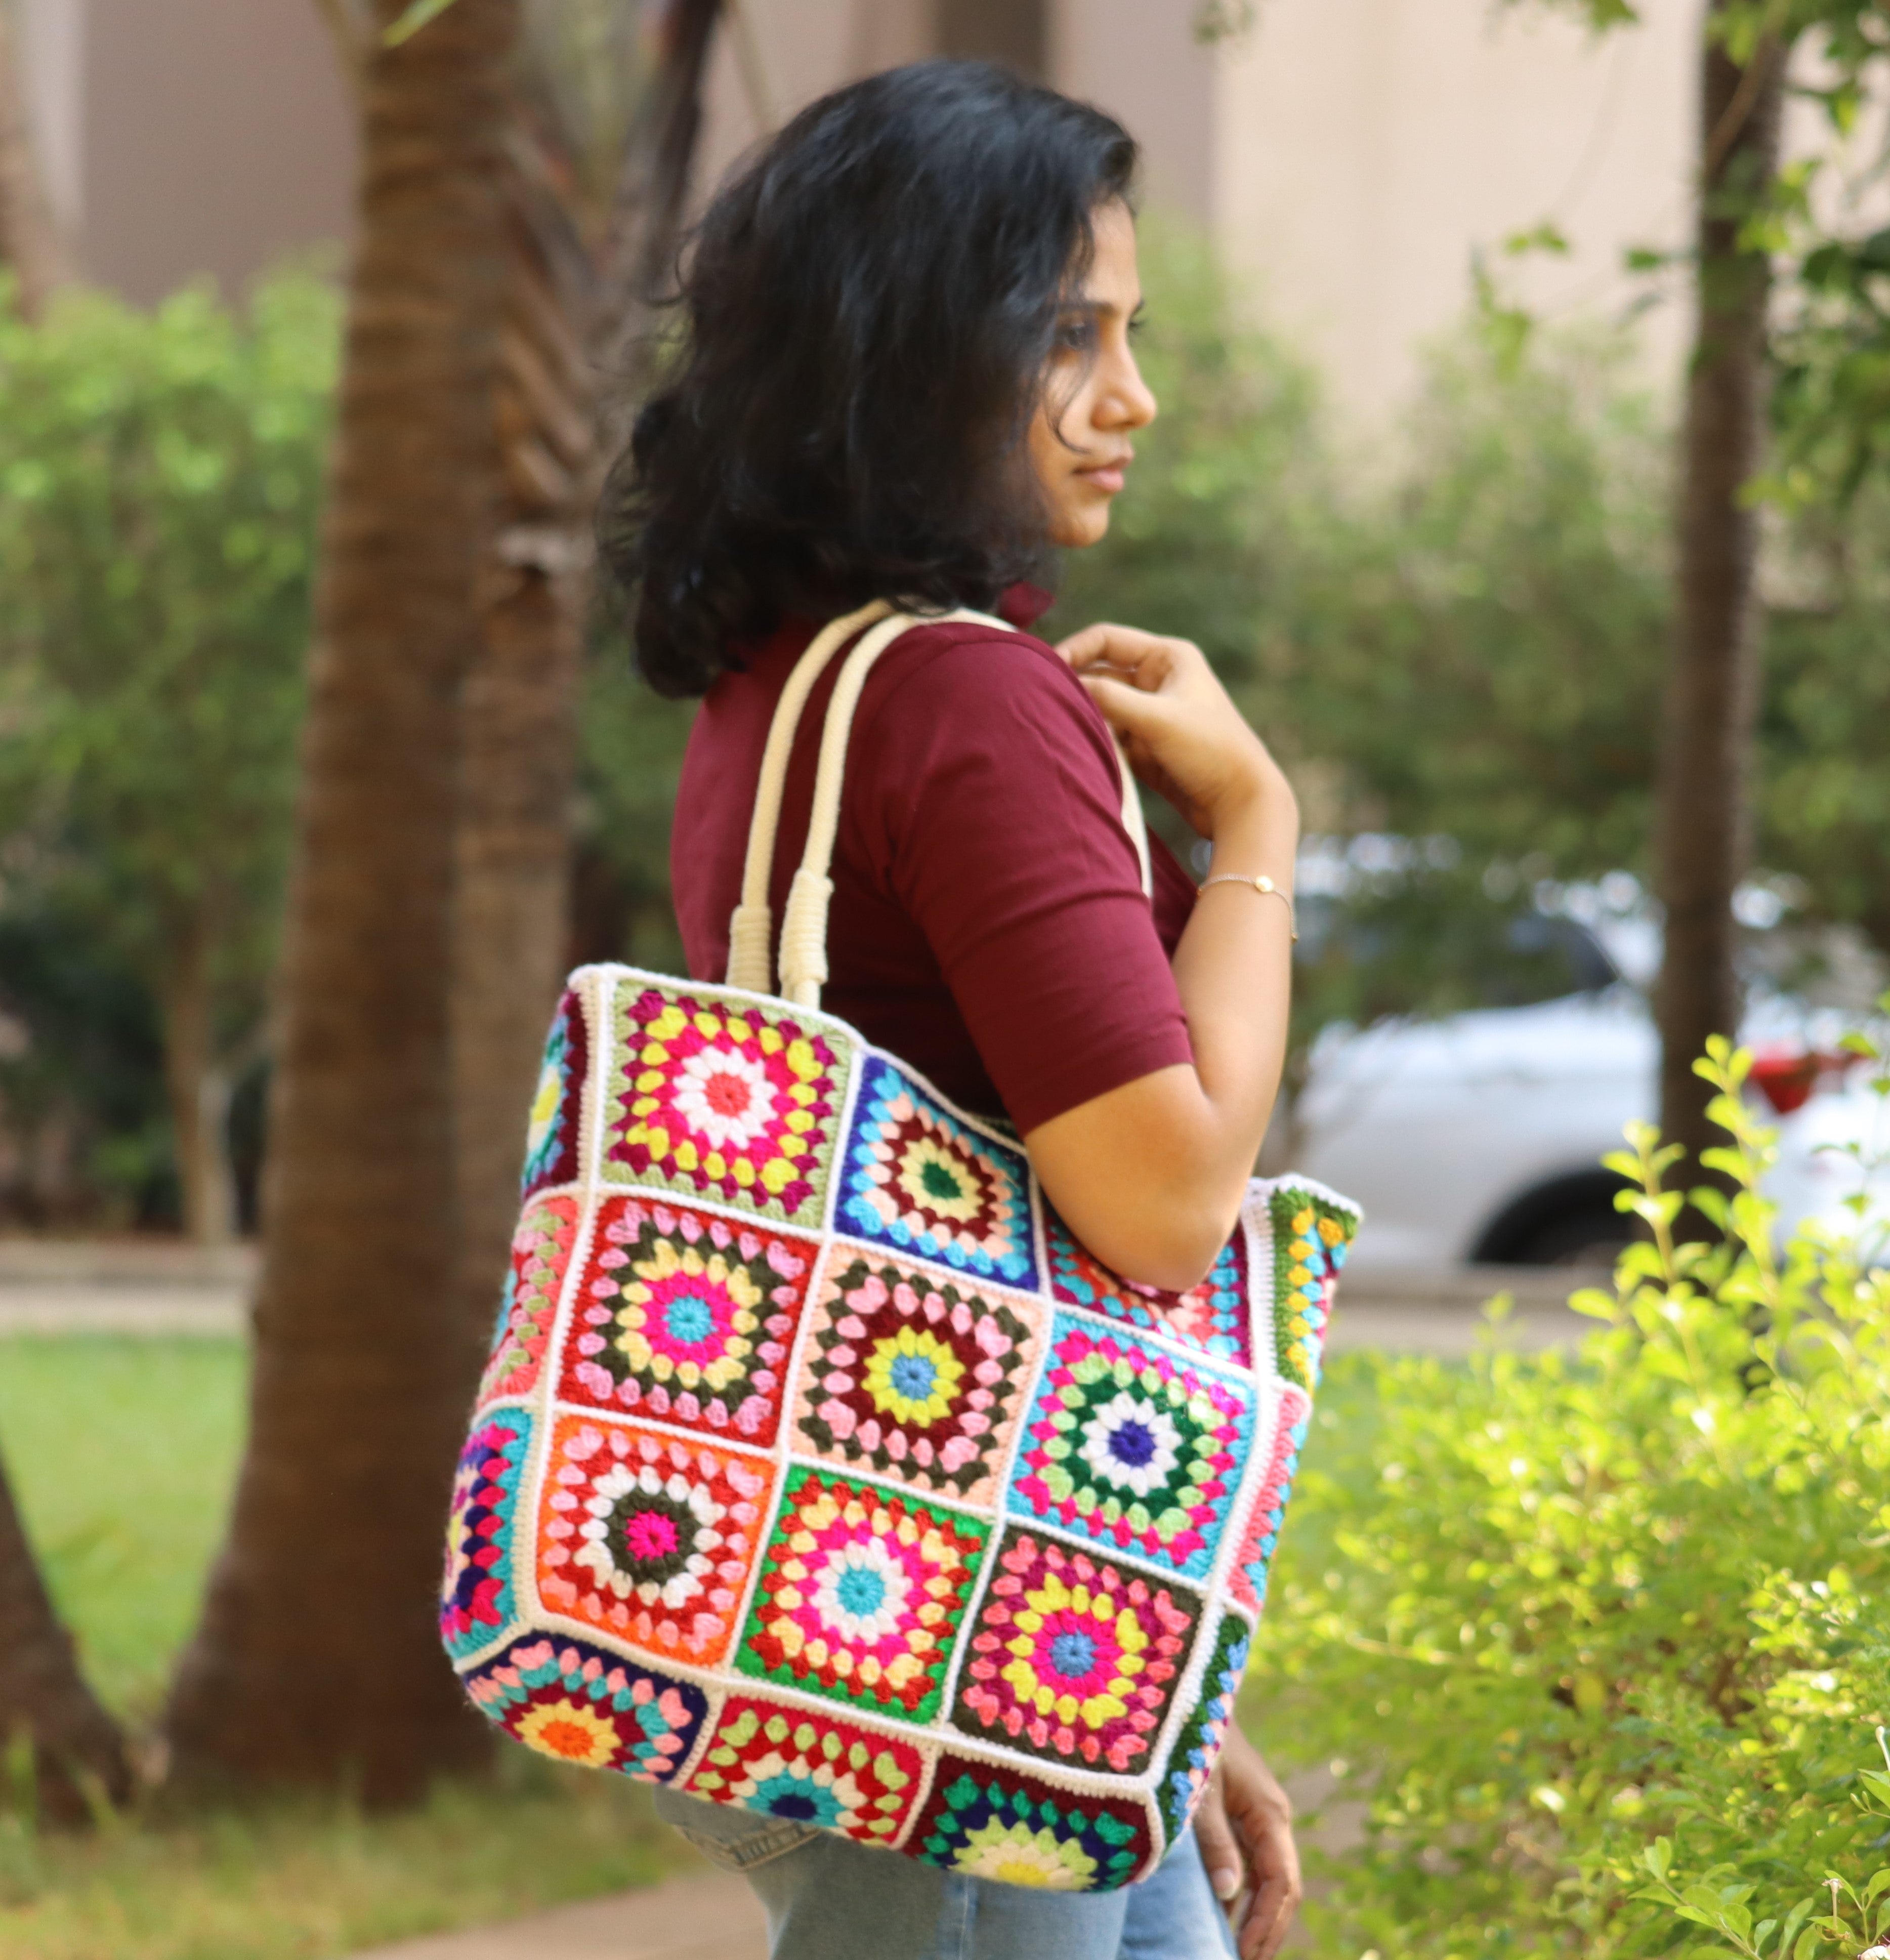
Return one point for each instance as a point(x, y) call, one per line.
point(751, 928)
point(803, 932)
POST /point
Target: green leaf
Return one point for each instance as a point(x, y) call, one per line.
point(418, 13)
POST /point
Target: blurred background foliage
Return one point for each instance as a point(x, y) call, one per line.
point(160, 475)
point(1453, 639)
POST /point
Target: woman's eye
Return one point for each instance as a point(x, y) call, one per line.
point(1076, 336)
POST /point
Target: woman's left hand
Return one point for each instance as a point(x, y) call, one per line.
point(1245, 1828)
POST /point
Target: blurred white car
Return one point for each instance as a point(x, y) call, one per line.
point(1477, 1136)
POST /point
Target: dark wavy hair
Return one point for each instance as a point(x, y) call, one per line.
point(868, 308)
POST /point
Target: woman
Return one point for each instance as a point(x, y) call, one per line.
point(907, 374)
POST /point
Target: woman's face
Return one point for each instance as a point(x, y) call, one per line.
point(1094, 397)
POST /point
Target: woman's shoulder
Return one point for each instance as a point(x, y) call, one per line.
point(965, 678)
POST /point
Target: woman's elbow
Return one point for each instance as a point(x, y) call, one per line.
point(1174, 1248)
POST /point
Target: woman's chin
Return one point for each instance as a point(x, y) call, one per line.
point(1076, 529)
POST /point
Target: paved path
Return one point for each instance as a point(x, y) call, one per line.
point(712, 1916)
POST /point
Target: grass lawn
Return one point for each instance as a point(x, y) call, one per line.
point(122, 1452)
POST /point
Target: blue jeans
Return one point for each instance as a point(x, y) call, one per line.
point(828, 1899)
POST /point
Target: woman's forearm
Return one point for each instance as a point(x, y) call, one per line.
point(1151, 1174)
point(1234, 969)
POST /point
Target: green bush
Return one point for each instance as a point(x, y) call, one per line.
point(1597, 1641)
point(161, 476)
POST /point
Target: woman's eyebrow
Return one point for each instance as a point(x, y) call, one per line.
point(1101, 309)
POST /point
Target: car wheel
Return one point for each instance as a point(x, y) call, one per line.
point(1564, 1221)
point(1579, 1239)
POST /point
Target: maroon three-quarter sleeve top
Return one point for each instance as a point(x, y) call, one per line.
point(988, 925)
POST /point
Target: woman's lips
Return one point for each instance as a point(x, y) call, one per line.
point(1106, 476)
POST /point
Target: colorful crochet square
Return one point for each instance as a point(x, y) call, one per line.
point(1310, 1238)
point(554, 1132)
point(1072, 1659)
point(477, 1602)
point(528, 1302)
point(861, 1593)
point(650, 1538)
point(811, 1769)
point(919, 1180)
point(1133, 1448)
point(1002, 1823)
point(1191, 1760)
point(911, 1374)
point(737, 1103)
point(572, 1703)
point(1212, 1316)
point(1248, 1581)
point(687, 1317)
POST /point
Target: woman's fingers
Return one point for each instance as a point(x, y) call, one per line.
point(1221, 1851)
point(1145, 660)
point(1261, 1815)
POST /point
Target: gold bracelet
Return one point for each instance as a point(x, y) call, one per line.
point(1262, 884)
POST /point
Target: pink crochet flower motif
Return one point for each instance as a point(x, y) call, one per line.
point(860, 1595)
point(649, 1537)
point(1072, 1659)
point(688, 1318)
point(727, 1101)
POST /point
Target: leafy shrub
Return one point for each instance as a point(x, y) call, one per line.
point(161, 476)
point(1597, 1641)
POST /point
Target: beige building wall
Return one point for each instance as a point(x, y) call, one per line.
point(189, 137)
point(1364, 150)
point(1349, 155)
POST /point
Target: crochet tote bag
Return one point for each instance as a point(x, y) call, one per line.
point(818, 1468)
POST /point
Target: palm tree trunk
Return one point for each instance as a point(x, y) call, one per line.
point(43, 1695)
point(518, 727)
point(567, 320)
point(30, 241)
point(317, 1659)
point(1703, 824)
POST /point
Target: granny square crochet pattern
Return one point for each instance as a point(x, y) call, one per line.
point(578, 1704)
point(551, 1136)
point(861, 1595)
point(1073, 1659)
point(726, 1101)
point(687, 1316)
point(919, 1180)
point(1133, 1448)
point(475, 1591)
point(992, 1822)
point(811, 1769)
point(819, 1469)
point(912, 1375)
point(1212, 1316)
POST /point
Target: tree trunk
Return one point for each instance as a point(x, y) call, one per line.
point(317, 1661)
point(30, 241)
point(1703, 824)
point(520, 715)
point(198, 1090)
point(518, 728)
point(43, 1694)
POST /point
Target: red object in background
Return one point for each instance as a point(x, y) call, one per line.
point(1786, 1077)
